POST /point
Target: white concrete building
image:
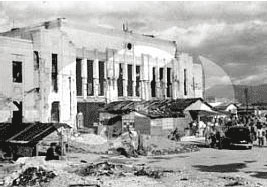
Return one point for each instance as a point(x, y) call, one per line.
point(82, 70)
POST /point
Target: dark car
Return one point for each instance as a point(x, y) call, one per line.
point(237, 137)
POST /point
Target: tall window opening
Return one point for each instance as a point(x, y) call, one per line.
point(17, 71)
point(101, 68)
point(137, 88)
point(120, 81)
point(153, 83)
point(169, 83)
point(90, 80)
point(130, 80)
point(185, 82)
point(79, 77)
point(55, 112)
point(54, 72)
point(36, 60)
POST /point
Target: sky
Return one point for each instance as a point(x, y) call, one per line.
point(231, 34)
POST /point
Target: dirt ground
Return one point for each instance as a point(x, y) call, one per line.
point(207, 167)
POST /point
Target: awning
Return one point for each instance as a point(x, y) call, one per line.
point(199, 106)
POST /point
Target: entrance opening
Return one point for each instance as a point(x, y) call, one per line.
point(17, 115)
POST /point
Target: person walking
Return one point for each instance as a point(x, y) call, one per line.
point(260, 134)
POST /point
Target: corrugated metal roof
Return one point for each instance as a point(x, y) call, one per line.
point(27, 132)
point(153, 108)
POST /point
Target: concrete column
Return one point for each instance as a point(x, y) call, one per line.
point(134, 79)
point(157, 81)
point(96, 74)
point(84, 77)
point(134, 74)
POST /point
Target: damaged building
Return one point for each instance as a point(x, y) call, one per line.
point(65, 70)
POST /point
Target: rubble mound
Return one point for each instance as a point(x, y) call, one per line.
point(90, 139)
point(89, 143)
point(32, 176)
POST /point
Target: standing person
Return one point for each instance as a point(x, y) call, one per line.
point(79, 119)
point(260, 133)
point(219, 136)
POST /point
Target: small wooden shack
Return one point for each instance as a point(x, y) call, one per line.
point(156, 117)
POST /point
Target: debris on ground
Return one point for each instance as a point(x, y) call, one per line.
point(156, 174)
point(101, 169)
point(235, 181)
point(119, 170)
point(32, 176)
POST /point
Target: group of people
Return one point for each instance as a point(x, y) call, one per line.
point(213, 130)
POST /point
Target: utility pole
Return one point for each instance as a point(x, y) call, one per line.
point(246, 98)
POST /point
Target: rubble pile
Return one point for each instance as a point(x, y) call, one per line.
point(32, 176)
point(235, 181)
point(156, 174)
point(100, 169)
point(164, 146)
point(119, 170)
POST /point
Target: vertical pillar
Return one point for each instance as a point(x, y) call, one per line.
point(157, 81)
point(134, 74)
point(84, 77)
point(134, 79)
point(125, 79)
point(96, 74)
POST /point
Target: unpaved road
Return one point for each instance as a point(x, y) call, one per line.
point(208, 167)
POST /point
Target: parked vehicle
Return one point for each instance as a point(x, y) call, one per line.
point(237, 136)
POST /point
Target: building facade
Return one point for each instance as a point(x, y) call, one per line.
point(74, 70)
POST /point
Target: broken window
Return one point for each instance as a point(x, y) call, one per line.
point(90, 80)
point(54, 72)
point(130, 80)
point(55, 112)
point(120, 81)
point(79, 77)
point(185, 82)
point(153, 83)
point(101, 69)
point(17, 71)
point(137, 88)
point(36, 60)
point(169, 83)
